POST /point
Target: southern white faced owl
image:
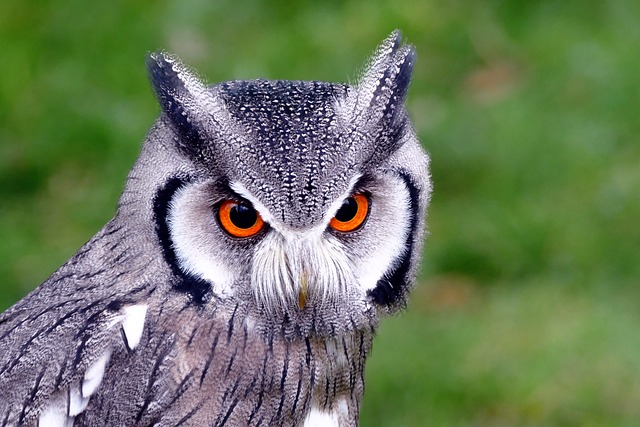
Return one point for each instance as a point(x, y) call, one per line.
point(263, 231)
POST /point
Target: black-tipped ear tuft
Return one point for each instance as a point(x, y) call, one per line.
point(162, 75)
point(384, 84)
point(399, 76)
point(392, 81)
point(396, 37)
point(181, 94)
point(166, 74)
point(375, 105)
point(377, 63)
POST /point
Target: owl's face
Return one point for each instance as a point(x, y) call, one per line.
point(303, 203)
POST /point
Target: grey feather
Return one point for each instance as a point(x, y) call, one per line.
point(164, 318)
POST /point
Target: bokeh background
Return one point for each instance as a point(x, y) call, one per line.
point(527, 310)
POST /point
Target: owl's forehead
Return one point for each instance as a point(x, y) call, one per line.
point(264, 101)
point(293, 152)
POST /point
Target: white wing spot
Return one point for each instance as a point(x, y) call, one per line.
point(133, 324)
point(319, 418)
point(55, 415)
point(77, 402)
point(94, 374)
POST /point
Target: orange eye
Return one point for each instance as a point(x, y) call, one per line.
point(239, 219)
point(351, 214)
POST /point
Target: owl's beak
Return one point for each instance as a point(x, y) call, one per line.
point(304, 289)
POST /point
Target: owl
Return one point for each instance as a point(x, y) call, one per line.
point(263, 231)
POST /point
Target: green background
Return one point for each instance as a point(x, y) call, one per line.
point(527, 308)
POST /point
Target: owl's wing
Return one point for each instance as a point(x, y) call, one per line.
point(55, 345)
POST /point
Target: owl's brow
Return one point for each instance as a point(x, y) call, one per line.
point(356, 182)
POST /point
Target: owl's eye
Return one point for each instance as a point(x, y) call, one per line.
point(351, 214)
point(239, 219)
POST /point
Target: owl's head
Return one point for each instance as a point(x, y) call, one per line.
point(301, 203)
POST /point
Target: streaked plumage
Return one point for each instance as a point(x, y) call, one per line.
point(175, 314)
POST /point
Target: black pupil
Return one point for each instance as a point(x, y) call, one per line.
point(243, 216)
point(348, 210)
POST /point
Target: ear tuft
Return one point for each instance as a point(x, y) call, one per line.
point(378, 62)
point(386, 80)
point(375, 105)
point(181, 94)
point(172, 80)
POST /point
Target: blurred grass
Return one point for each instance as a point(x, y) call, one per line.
point(527, 310)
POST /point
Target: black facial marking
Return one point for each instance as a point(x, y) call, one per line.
point(390, 288)
point(199, 289)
